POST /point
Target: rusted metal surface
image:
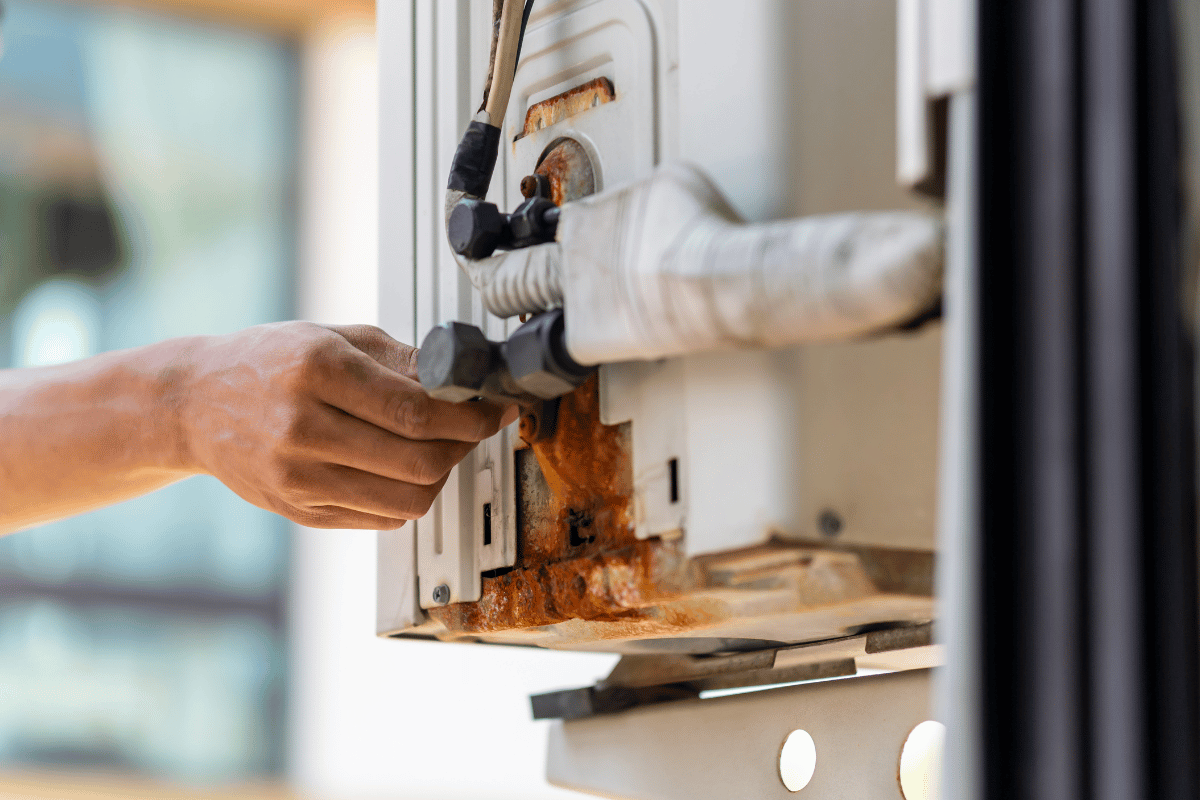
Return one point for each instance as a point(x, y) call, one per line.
point(555, 109)
point(578, 555)
point(568, 168)
point(583, 580)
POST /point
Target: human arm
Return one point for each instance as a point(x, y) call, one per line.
point(324, 425)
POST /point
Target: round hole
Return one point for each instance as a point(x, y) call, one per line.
point(921, 762)
point(797, 760)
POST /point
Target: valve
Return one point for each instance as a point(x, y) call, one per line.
point(457, 362)
point(477, 228)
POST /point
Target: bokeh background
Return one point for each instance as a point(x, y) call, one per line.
point(176, 167)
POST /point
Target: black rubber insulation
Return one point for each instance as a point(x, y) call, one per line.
point(475, 159)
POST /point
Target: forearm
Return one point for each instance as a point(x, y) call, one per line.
point(326, 426)
point(78, 436)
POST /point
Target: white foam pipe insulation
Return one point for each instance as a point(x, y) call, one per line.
point(666, 267)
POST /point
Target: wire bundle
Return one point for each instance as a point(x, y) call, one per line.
point(475, 159)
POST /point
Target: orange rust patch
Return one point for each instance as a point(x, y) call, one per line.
point(589, 471)
point(568, 170)
point(602, 587)
point(579, 557)
point(571, 102)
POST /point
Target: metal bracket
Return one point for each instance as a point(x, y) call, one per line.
point(730, 746)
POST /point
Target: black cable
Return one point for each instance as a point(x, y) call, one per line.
point(475, 160)
point(524, 22)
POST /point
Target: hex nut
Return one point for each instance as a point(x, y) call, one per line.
point(538, 360)
point(476, 228)
point(454, 361)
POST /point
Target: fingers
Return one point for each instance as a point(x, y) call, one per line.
point(331, 485)
point(349, 441)
point(332, 517)
point(361, 386)
point(376, 343)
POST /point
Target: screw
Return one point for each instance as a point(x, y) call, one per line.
point(529, 186)
point(829, 523)
point(441, 594)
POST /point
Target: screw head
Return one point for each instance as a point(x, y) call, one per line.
point(441, 594)
point(454, 361)
point(829, 523)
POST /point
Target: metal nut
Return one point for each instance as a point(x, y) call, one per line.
point(538, 360)
point(476, 228)
point(454, 361)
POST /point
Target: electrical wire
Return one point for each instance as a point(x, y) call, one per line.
point(505, 63)
point(497, 7)
point(524, 24)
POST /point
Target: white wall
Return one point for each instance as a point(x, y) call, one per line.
point(372, 718)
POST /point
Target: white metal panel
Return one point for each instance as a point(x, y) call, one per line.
point(913, 153)
point(729, 747)
point(653, 396)
point(950, 32)
point(396, 551)
point(790, 105)
point(743, 468)
point(449, 52)
point(736, 78)
point(569, 45)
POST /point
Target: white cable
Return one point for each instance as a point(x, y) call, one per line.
point(505, 66)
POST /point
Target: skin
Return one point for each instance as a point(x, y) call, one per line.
point(325, 425)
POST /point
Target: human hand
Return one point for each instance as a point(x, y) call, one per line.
point(325, 425)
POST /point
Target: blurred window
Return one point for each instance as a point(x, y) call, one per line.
point(147, 182)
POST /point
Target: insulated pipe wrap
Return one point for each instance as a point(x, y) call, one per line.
point(523, 281)
point(666, 267)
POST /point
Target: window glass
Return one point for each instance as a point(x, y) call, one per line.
point(147, 174)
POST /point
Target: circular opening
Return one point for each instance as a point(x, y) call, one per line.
point(797, 760)
point(921, 762)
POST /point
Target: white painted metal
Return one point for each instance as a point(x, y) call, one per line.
point(396, 558)
point(789, 106)
point(935, 57)
point(434, 55)
point(914, 155)
point(569, 44)
point(729, 747)
point(959, 686)
point(950, 33)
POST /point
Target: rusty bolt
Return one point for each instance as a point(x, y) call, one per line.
point(441, 594)
point(529, 186)
point(538, 359)
point(454, 361)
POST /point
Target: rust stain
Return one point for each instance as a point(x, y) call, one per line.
point(571, 102)
point(568, 169)
point(579, 557)
point(588, 469)
point(610, 586)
